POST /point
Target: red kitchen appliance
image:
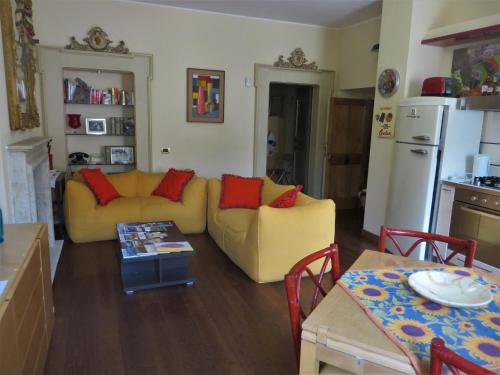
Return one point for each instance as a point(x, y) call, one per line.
point(438, 86)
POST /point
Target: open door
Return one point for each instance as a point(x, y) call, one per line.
point(348, 150)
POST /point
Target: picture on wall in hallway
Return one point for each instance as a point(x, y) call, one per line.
point(205, 97)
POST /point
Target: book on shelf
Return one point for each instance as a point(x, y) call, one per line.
point(121, 126)
point(91, 95)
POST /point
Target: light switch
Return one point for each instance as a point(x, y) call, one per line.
point(165, 150)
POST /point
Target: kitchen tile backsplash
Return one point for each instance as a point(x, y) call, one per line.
point(490, 141)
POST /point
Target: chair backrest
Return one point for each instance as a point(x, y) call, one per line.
point(440, 355)
point(293, 280)
point(459, 245)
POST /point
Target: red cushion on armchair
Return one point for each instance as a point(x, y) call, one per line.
point(287, 199)
point(240, 192)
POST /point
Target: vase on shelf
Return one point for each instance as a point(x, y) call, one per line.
point(74, 120)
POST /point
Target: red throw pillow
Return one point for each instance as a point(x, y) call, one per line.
point(240, 192)
point(173, 184)
point(103, 190)
point(287, 199)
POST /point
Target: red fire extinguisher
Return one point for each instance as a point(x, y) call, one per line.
point(51, 166)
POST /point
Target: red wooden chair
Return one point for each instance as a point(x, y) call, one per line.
point(440, 355)
point(469, 246)
point(293, 281)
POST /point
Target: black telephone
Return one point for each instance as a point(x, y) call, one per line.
point(79, 158)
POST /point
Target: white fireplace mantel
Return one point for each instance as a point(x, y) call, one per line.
point(30, 192)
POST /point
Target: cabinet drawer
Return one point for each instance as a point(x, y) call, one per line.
point(37, 347)
point(9, 361)
point(26, 327)
point(27, 278)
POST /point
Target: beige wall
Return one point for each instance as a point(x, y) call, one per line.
point(456, 11)
point(179, 39)
point(358, 63)
point(394, 49)
point(7, 137)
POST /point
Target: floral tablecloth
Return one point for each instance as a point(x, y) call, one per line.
point(411, 321)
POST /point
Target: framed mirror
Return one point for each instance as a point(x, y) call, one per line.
point(20, 63)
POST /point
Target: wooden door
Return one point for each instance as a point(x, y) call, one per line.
point(348, 150)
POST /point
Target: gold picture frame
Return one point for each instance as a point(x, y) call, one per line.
point(20, 63)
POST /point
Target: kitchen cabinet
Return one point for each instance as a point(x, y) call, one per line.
point(26, 304)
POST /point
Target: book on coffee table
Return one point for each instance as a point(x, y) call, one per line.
point(168, 266)
point(172, 247)
point(143, 239)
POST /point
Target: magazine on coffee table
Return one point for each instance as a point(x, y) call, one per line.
point(144, 239)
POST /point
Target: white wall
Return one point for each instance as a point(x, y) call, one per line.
point(179, 39)
point(6, 137)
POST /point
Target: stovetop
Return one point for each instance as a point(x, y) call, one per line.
point(492, 182)
point(468, 184)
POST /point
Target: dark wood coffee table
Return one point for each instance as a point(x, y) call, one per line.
point(155, 270)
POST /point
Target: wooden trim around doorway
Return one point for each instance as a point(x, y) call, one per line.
point(348, 101)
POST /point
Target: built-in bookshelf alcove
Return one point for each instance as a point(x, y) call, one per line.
point(117, 93)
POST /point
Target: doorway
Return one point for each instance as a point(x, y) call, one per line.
point(289, 130)
point(321, 84)
point(348, 151)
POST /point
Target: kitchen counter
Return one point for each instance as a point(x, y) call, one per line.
point(467, 186)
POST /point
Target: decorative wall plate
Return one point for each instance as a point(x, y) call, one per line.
point(388, 82)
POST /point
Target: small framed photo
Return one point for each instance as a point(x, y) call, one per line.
point(96, 126)
point(121, 154)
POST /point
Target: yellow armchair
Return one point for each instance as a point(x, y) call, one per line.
point(265, 243)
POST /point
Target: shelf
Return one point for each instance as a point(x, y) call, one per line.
point(92, 164)
point(481, 103)
point(102, 135)
point(103, 105)
point(479, 29)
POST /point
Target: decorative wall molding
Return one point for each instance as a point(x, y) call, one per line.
point(97, 40)
point(296, 60)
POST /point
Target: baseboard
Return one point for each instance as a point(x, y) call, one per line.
point(55, 253)
point(370, 236)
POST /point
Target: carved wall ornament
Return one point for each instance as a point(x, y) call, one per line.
point(296, 60)
point(97, 40)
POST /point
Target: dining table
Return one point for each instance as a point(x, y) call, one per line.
point(339, 333)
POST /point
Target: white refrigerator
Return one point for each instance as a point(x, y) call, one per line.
point(434, 141)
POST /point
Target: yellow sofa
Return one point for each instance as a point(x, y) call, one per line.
point(265, 243)
point(87, 221)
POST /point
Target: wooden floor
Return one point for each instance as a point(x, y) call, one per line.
point(224, 324)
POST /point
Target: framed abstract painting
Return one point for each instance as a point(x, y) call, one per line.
point(205, 97)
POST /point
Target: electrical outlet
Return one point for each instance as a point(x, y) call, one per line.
point(165, 150)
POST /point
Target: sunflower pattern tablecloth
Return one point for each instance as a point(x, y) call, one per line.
point(411, 321)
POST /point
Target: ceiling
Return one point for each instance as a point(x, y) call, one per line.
point(331, 13)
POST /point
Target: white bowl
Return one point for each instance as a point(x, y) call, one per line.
point(450, 289)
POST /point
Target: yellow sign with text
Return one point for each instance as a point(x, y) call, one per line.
point(385, 122)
